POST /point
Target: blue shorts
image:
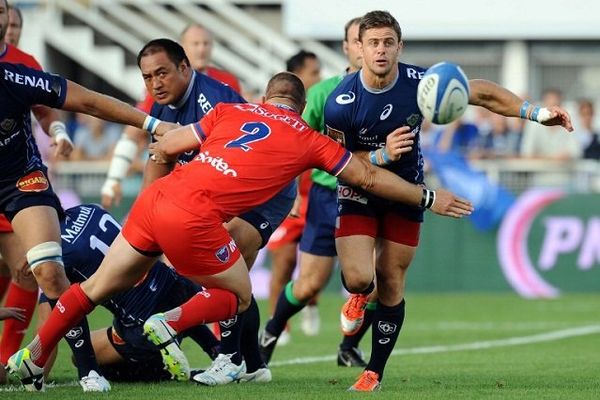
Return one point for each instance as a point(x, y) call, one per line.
point(31, 189)
point(318, 237)
point(268, 216)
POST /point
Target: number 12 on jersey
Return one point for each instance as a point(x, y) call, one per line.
point(253, 132)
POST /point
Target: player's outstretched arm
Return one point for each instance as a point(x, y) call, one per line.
point(502, 101)
point(385, 184)
point(174, 143)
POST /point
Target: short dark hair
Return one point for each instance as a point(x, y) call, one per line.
point(18, 11)
point(378, 19)
point(296, 62)
point(287, 85)
point(348, 25)
point(173, 50)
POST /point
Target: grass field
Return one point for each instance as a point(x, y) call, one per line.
point(467, 346)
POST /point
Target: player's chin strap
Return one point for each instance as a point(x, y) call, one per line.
point(428, 198)
point(534, 113)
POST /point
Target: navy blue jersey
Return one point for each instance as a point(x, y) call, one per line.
point(20, 88)
point(201, 96)
point(361, 118)
point(87, 232)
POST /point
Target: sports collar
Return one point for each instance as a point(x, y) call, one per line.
point(375, 90)
point(186, 95)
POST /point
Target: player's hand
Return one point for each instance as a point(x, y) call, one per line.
point(64, 146)
point(12, 312)
point(556, 116)
point(449, 205)
point(398, 142)
point(164, 127)
point(112, 193)
point(159, 156)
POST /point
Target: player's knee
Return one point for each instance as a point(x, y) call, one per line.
point(45, 262)
point(357, 283)
point(306, 289)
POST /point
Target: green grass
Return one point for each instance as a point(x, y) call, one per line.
point(555, 369)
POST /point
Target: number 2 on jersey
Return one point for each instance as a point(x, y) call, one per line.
point(253, 132)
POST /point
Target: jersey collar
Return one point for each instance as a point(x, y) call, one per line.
point(375, 90)
point(186, 95)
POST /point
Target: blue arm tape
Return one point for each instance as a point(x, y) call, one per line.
point(524, 108)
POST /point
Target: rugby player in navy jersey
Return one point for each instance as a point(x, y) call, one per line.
point(26, 195)
point(184, 96)
point(123, 352)
point(374, 112)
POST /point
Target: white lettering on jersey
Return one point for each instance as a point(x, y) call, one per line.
point(345, 98)
point(294, 123)
point(414, 74)
point(387, 110)
point(77, 225)
point(217, 163)
point(27, 80)
point(204, 103)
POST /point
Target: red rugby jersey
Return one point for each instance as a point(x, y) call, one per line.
point(14, 55)
point(248, 153)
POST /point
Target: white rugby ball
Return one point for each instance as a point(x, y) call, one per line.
point(443, 93)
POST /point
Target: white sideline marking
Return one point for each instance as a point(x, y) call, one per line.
point(487, 344)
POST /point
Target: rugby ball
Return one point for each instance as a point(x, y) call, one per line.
point(443, 93)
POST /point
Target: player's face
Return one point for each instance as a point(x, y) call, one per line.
point(13, 33)
point(164, 80)
point(3, 19)
point(380, 50)
point(310, 72)
point(198, 44)
point(352, 48)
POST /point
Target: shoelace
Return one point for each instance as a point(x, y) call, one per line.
point(367, 379)
point(221, 362)
point(355, 306)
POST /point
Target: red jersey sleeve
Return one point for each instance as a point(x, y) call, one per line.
point(14, 55)
point(327, 154)
point(203, 127)
point(146, 104)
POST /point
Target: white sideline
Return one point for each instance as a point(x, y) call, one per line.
point(487, 344)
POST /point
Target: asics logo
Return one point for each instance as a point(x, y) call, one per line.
point(387, 110)
point(345, 98)
point(265, 340)
point(217, 163)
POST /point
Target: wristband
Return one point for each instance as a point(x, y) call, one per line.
point(150, 124)
point(379, 157)
point(58, 131)
point(534, 113)
point(384, 156)
point(428, 198)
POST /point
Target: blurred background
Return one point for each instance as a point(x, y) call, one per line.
point(537, 229)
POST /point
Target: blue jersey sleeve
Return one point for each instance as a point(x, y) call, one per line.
point(337, 117)
point(27, 86)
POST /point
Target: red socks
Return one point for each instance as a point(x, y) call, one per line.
point(209, 305)
point(71, 307)
point(14, 330)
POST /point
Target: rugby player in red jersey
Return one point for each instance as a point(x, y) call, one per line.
point(248, 153)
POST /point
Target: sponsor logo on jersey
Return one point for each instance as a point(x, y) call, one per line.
point(336, 135)
point(204, 104)
point(33, 182)
point(7, 126)
point(345, 98)
point(27, 80)
point(348, 193)
point(387, 110)
point(413, 120)
point(224, 253)
point(73, 227)
point(217, 163)
point(387, 328)
point(414, 74)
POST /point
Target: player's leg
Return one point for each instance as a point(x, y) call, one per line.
point(397, 247)
point(22, 293)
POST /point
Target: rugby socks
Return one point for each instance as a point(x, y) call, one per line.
point(231, 336)
point(80, 342)
point(350, 341)
point(387, 322)
point(14, 330)
point(204, 337)
point(287, 306)
point(210, 305)
point(70, 308)
point(249, 344)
